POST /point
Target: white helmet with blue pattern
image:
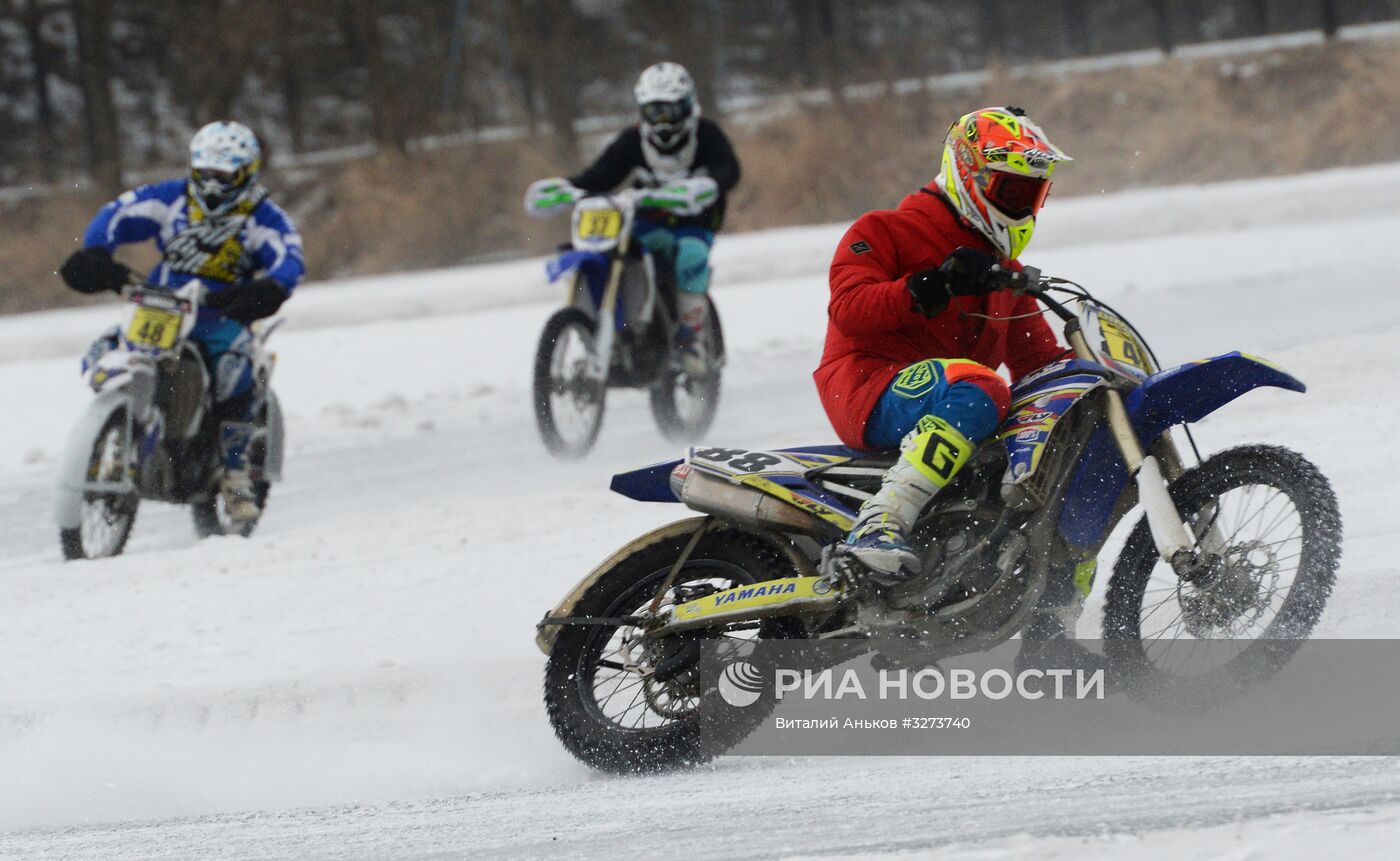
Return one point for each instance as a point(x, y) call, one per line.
point(224, 162)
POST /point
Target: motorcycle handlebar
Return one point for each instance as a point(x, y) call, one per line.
point(1025, 280)
point(136, 284)
point(1030, 281)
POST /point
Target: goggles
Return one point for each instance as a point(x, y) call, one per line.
point(1017, 196)
point(667, 113)
point(212, 177)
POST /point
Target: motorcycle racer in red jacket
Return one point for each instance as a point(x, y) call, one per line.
point(918, 324)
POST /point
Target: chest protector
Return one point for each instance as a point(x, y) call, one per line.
point(211, 246)
point(667, 167)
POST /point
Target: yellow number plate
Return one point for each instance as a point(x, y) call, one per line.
point(599, 224)
point(152, 327)
point(1121, 344)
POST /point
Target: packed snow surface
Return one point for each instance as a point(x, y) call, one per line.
point(360, 678)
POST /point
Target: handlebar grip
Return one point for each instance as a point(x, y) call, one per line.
point(1026, 280)
point(1030, 280)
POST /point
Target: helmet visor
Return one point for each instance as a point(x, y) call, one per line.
point(1016, 195)
point(216, 187)
point(667, 113)
point(214, 179)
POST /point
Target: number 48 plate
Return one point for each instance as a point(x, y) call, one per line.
point(152, 327)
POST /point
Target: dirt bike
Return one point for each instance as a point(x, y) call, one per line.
point(617, 330)
point(1242, 546)
point(149, 432)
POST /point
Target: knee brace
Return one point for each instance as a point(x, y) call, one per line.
point(692, 265)
point(970, 397)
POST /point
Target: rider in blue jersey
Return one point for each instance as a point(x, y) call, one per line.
point(219, 226)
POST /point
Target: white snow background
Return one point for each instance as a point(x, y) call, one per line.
point(360, 679)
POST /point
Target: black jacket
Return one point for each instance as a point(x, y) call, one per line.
point(623, 160)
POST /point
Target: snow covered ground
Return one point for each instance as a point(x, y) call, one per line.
point(359, 679)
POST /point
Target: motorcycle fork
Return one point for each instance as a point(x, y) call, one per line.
point(607, 313)
point(1174, 541)
point(126, 458)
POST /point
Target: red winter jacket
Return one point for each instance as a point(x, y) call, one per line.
point(873, 333)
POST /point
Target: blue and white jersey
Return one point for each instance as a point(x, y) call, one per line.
point(255, 239)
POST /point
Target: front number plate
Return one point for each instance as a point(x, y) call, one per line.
point(152, 327)
point(599, 224)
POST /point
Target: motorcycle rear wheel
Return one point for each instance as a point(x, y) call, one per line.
point(683, 406)
point(107, 518)
point(1278, 528)
point(618, 720)
point(209, 514)
point(568, 402)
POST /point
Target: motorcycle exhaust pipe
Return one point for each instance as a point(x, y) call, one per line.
point(713, 495)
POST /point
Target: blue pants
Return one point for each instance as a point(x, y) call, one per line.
point(971, 397)
point(685, 249)
point(228, 350)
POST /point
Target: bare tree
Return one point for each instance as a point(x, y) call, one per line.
point(93, 24)
point(1329, 18)
point(545, 31)
point(820, 54)
point(32, 16)
point(1078, 27)
point(1161, 12)
point(362, 32)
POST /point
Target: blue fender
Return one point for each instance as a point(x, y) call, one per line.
point(559, 266)
point(648, 484)
point(1179, 395)
point(594, 267)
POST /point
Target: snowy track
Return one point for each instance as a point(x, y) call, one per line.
point(359, 679)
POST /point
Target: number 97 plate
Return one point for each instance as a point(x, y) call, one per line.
point(599, 224)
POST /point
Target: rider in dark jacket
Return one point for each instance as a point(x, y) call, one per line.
point(691, 166)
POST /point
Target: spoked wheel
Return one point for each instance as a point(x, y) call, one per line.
point(569, 399)
point(107, 517)
point(622, 702)
point(683, 404)
point(1269, 523)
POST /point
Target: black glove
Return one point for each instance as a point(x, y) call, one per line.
point(966, 272)
point(250, 301)
point(92, 270)
point(971, 272)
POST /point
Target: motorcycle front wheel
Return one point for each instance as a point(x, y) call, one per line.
point(1271, 521)
point(106, 517)
point(569, 399)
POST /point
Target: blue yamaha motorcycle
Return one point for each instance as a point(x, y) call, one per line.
point(617, 330)
point(1243, 546)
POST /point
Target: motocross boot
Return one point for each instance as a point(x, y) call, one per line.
point(694, 313)
point(930, 455)
point(236, 487)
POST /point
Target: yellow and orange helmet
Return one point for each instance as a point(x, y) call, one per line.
point(996, 172)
